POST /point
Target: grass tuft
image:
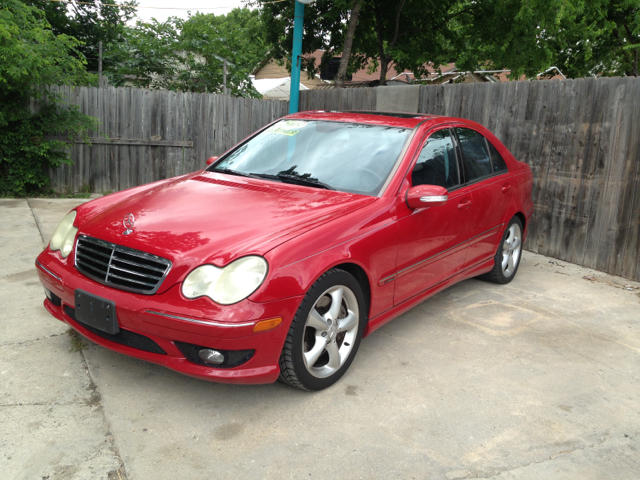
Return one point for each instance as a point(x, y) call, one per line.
point(77, 342)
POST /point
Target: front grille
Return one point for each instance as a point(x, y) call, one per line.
point(123, 337)
point(120, 267)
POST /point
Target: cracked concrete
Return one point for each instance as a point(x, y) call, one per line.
point(50, 427)
point(534, 380)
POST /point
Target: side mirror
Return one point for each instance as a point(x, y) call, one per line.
point(422, 196)
point(210, 160)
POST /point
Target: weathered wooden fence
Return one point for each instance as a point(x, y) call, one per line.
point(580, 137)
point(582, 141)
point(148, 135)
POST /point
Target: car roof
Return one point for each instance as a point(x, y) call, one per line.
point(391, 119)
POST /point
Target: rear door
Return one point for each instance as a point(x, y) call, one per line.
point(486, 174)
point(433, 241)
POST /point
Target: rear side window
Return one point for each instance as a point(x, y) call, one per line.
point(475, 154)
point(496, 159)
point(437, 163)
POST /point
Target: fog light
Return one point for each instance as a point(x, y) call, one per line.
point(53, 298)
point(213, 357)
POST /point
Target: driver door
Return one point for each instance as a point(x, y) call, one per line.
point(433, 241)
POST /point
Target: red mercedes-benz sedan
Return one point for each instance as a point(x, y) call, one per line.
point(275, 260)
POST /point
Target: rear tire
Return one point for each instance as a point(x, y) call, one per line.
point(325, 333)
point(507, 259)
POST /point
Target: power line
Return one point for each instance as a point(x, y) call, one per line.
point(157, 8)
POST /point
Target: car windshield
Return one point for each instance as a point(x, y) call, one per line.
point(349, 157)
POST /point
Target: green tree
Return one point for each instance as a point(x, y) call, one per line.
point(188, 55)
point(594, 37)
point(147, 55)
point(33, 56)
point(89, 21)
point(410, 34)
point(325, 28)
point(581, 37)
point(405, 34)
point(603, 38)
point(236, 37)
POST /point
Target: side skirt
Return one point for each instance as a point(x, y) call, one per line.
point(385, 317)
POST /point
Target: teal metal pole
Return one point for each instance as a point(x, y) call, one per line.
point(294, 92)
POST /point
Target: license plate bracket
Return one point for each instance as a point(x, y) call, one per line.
point(97, 312)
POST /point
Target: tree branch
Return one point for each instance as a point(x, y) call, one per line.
point(626, 27)
point(621, 43)
point(376, 11)
point(383, 56)
point(397, 23)
point(348, 42)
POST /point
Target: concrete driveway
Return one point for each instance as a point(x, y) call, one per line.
point(537, 379)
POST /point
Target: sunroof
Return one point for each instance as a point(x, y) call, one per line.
point(390, 114)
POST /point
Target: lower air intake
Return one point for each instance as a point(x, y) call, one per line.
point(124, 337)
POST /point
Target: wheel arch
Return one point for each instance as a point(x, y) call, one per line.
point(361, 277)
point(522, 218)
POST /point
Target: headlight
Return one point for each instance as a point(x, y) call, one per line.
point(226, 285)
point(64, 235)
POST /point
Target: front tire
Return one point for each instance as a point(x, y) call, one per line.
point(325, 333)
point(507, 259)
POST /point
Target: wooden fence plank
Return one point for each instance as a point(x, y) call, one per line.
point(627, 245)
point(578, 136)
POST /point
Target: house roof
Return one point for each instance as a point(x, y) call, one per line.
point(445, 73)
point(274, 88)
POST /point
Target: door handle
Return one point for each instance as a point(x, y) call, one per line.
point(506, 188)
point(464, 204)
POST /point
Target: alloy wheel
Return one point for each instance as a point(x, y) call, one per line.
point(330, 331)
point(511, 250)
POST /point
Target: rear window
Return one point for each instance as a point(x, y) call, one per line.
point(496, 159)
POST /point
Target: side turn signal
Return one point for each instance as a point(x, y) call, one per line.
point(265, 325)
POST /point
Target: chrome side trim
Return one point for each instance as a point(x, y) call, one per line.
point(431, 257)
point(48, 271)
point(387, 279)
point(434, 198)
point(202, 322)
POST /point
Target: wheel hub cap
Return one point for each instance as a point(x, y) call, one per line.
point(332, 331)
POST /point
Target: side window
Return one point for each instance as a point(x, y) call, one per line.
point(475, 154)
point(496, 159)
point(437, 163)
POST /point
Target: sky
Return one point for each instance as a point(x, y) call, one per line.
point(218, 7)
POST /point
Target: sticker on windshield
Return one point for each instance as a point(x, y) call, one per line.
point(288, 127)
point(292, 124)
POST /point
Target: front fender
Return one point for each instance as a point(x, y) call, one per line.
point(368, 239)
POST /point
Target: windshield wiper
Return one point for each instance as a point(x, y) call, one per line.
point(304, 181)
point(229, 171)
point(294, 179)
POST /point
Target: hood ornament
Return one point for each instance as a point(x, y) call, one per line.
point(128, 222)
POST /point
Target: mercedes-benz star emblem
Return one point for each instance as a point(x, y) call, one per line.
point(128, 222)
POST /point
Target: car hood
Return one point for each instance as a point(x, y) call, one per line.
point(214, 218)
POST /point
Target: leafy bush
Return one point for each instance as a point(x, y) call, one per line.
point(31, 56)
point(26, 152)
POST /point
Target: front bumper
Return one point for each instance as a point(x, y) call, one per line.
point(168, 318)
